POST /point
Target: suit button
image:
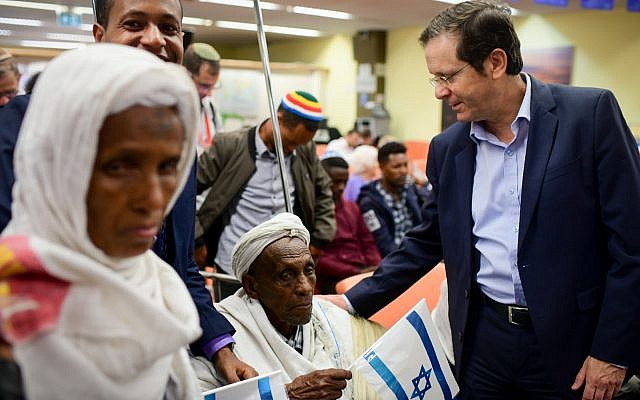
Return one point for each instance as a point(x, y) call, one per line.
point(460, 336)
point(467, 293)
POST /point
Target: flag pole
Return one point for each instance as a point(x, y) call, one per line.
point(264, 55)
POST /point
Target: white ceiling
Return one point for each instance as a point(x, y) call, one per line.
point(368, 15)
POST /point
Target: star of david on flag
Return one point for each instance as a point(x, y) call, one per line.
point(263, 387)
point(408, 361)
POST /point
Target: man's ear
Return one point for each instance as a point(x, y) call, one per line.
point(98, 32)
point(497, 61)
point(249, 286)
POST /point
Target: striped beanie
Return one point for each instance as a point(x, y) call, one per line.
point(302, 104)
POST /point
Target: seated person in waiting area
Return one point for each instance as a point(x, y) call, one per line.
point(82, 295)
point(391, 205)
point(353, 250)
point(279, 326)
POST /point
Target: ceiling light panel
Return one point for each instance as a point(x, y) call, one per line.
point(21, 21)
point(284, 30)
point(319, 12)
point(245, 3)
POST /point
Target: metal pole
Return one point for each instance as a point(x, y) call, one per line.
point(264, 54)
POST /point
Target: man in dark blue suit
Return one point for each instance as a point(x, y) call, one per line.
point(154, 26)
point(534, 211)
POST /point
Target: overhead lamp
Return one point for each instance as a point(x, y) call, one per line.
point(82, 10)
point(319, 12)
point(51, 45)
point(20, 21)
point(34, 5)
point(284, 30)
point(70, 37)
point(245, 3)
point(196, 21)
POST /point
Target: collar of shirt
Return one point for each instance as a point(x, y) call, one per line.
point(478, 133)
point(296, 340)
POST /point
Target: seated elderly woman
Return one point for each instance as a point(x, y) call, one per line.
point(89, 310)
point(279, 326)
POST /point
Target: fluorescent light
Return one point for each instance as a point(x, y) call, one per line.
point(70, 37)
point(245, 3)
point(34, 5)
point(86, 27)
point(320, 12)
point(82, 10)
point(6, 32)
point(51, 45)
point(514, 11)
point(20, 21)
point(196, 21)
point(284, 30)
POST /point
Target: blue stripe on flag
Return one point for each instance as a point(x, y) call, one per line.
point(265, 389)
point(210, 396)
point(417, 323)
point(387, 376)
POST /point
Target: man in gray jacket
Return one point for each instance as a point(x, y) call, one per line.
point(242, 170)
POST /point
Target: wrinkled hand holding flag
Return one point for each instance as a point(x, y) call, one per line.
point(408, 362)
point(263, 387)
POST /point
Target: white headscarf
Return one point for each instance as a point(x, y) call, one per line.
point(252, 243)
point(124, 322)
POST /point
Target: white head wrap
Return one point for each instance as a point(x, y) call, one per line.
point(59, 137)
point(252, 243)
point(125, 322)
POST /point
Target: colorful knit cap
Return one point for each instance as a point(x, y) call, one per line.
point(302, 104)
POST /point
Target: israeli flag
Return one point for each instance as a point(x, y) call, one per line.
point(263, 387)
point(408, 362)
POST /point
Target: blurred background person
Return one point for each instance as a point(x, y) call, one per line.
point(391, 205)
point(353, 250)
point(203, 63)
point(9, 77)
point(363, 168)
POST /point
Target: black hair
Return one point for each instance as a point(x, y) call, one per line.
point(102, 8)
point(390, 148)
point(483, 26)
point(334, 162)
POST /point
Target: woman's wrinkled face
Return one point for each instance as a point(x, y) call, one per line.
point(134, 176)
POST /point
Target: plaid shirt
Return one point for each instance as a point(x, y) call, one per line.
point(295, 340)
point(401, 216)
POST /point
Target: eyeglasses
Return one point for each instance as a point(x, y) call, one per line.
point(444, 80)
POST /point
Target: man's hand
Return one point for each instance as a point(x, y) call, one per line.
point(600, 379)
point(200, 255)
point(336, 299)
point(230, 367)
point(326, 384)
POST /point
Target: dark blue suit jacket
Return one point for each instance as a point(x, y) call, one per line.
point(180, 225)
point(579, 238)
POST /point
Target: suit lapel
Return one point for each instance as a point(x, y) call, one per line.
point(465, 169)
point(542, 132)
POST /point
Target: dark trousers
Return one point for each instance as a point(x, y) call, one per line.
point(503, 361)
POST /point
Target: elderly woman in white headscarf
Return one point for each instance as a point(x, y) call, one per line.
point(105, 149)
point(279, 326)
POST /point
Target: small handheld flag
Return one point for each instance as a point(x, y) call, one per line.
point(408, 362)
point(263, 387)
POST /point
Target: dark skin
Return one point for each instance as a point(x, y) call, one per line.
point(291, 139)
point(282, 280)
point(156, 26)
point(394, 173)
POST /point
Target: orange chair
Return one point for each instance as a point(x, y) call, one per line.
point(428, 288)
point(417, 149)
